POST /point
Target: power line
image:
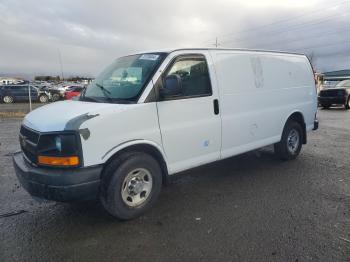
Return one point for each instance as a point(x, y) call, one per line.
point(323, 45)
point(281, 21)
point(288, 41)
point(288, 19)
point(299, 26)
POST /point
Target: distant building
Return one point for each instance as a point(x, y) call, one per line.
point(47, 78)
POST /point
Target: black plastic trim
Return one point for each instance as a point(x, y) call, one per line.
point(58, 184)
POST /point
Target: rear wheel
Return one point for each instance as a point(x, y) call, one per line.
point(7, 99)
point(43, 98)
point(130, 185)
point(55, 97)
point(326, 106)
point(290, 145)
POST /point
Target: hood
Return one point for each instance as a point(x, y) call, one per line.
point(59, 115)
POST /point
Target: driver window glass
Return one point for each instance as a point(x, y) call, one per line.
point(194, 76)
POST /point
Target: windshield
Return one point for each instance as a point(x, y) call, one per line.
point(345, 83)
point(124, 80)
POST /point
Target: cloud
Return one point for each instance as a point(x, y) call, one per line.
point(90, 34)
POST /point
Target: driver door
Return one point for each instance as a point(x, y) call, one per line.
point(190, 123)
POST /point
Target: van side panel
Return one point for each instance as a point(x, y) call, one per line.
point(258, 92)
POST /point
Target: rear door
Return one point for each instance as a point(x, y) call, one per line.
point(190, 124)
point(22, 92)
point(16, 92)
point(33, 93)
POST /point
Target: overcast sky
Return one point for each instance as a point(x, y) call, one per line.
point(89, 34)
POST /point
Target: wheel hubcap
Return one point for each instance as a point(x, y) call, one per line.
point(7, 99)
point(136, 187)
point(293, 141)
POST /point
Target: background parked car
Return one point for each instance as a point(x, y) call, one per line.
point(73, 91)
point(339, 95)
point(12, 93)
point(19, 93)
point(53, 93)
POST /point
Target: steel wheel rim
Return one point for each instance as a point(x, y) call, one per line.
point(43, 99)
point(55, 97)
point(8, 99)
point(293, 141)
point(136, 187)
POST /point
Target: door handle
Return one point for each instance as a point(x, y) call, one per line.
point(216, 106)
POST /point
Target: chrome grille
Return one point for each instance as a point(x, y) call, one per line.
point(331, 93)
point(29, 139)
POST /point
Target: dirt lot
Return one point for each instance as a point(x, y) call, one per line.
point(18, 107)
point(248, 208)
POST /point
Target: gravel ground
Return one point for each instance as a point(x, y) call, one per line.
point(248, 208)
point(18, 107)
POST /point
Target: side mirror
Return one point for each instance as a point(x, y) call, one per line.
point(172, 87)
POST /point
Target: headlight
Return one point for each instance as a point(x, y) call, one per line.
point(58, 150)
point(58, 143)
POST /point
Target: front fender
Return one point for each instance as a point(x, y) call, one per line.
point(111, 152)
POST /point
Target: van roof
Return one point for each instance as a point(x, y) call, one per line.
point(170, 50)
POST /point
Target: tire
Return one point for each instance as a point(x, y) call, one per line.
point(7, 99)
point(55, 97)
point(43, 98)
point(123, 193)
point(347, 104)
point(292, 134)
point(326, 106)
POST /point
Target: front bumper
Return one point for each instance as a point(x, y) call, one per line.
point(331, 100)
point(63, 185)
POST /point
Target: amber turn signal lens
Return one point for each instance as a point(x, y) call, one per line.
point(58, 161)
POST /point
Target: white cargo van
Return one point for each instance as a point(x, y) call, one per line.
point(151, 115)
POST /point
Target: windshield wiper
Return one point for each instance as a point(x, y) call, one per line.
point(104, 91)
point(122, 101)
point(89, 98)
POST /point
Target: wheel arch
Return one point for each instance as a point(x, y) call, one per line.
point(298, 117)
point(143, 146)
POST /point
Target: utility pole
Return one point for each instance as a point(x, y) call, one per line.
point(60, 60)
point(30, 97)
point(216, 42)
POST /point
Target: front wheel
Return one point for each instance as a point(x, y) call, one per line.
point(130, 185)
point(55, 97)
point(290, 145)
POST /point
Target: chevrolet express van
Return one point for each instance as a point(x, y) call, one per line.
point(150, 115)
